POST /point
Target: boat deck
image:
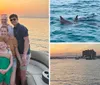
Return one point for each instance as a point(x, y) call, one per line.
point(34, 73)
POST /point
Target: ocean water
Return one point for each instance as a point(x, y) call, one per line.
point(38, 33)
point(86, 30)
point(75, 72)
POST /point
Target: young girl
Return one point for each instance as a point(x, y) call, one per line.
point(5, 64)
point(12, 42)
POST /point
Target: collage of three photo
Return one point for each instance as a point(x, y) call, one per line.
point(49, 42)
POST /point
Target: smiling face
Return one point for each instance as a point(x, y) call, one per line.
point(14, 21)
point(4, 19)
point(4, 31)
point(3, 45)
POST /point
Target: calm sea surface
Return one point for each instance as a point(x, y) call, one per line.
point(75, 72)
point(86, 30)
point(38, 32)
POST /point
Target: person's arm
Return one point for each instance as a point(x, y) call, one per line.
point(16, 50)
point(26, 45)
point(11, 63)
point(18, 55)
point(26, 40)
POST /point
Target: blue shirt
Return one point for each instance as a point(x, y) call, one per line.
point(20, 32)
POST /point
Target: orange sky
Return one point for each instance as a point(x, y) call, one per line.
point(30, 8)
point(72, 49)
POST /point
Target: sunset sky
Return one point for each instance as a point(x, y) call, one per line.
point(72, 49)
point(25, 8)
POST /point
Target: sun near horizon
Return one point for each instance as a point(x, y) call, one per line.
point(25, 8)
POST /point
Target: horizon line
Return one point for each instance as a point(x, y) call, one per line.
point(33, 16)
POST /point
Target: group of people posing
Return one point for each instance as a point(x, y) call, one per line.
point(14, 51)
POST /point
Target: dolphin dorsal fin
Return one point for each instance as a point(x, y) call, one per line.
point(76, 18)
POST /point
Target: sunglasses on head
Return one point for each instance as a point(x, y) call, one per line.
point(12, 19)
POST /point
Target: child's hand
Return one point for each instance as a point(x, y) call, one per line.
point(3, 71)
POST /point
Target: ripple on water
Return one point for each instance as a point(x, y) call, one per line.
point(87, 30)
point(81, 72)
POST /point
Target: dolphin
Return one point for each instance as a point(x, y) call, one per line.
point(63, 21)
point(77, 19)
point(91, 16)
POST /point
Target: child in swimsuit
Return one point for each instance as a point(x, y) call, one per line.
point(5, 64)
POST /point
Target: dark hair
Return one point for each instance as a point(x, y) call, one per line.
point(13, 15)
point(5, 27)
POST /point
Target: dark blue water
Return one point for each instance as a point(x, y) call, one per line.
point(86, 30)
